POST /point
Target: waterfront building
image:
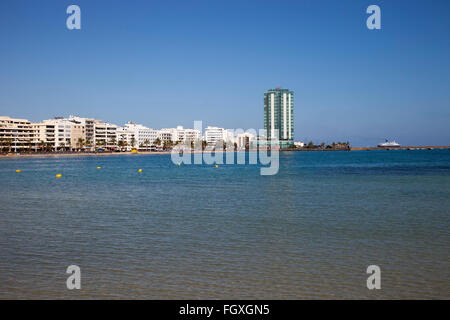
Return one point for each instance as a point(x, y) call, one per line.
point(215, 134)
point(166, 135)
point(58, 134)
point(77, 136)
point(180, 134)
point(299, 144)
point(187, 135)
point(16, 134)
point(43, 136)
point(279, 115)
point(89, 130)
point(244, 140)
point(125, 138)
point(105, 134)
point(144, 137)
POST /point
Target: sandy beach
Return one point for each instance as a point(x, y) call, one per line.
point(77, 154)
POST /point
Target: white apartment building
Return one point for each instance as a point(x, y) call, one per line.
point(244, 140)
point(58, 132)
point(89, 130)
point(144, 136)
point(44, 136)
point(166, 135)
point(181, 134)
point(216, 134)
point(105, 134)
point(185, 135)
point(125, 138)
point(15, 134)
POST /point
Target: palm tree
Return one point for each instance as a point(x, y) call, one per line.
point(101, 143)
point(146, 143)
point(41, 145)
point(112, 141)
point(49, 146)
point(157, 142)
point(88, 143)
point(204, 144)
point(133, 141)
point(80, 143)
point(121, 145)
point(8, 144)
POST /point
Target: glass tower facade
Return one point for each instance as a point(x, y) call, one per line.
point(279, 115)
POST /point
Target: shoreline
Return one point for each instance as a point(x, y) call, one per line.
point(77, 154)
point(129, 153)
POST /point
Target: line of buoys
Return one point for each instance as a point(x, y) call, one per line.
point(59, 175)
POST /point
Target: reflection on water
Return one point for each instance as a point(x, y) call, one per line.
point(203, 232)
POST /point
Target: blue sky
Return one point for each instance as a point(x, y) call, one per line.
point(164, 63)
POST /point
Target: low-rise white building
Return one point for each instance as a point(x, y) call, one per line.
point(244, 140)
point(62, 133)
point(180, 134)
point(105, 134)
point(216, 134)
point(16, 134)
point(166, 135)
point(125, 138)
point(144, 137)
point(89, 130)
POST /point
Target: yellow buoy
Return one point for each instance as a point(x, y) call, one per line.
point(140, 170)
point(17, 171)
point(99, 167)
point(59, 175)
point(217, 166)
point(179, 163)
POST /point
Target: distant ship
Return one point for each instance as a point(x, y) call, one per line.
point(391, 144)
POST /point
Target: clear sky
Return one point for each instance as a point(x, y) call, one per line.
point(168, 63)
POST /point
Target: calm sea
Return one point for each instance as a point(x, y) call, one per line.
point(197, 231)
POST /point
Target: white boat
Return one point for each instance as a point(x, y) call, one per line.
point(391, 144)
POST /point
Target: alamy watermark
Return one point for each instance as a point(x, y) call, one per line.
point(74, 280)
point(374, 280)
point(374, 20)
point(74, 20)
point(263, 151)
